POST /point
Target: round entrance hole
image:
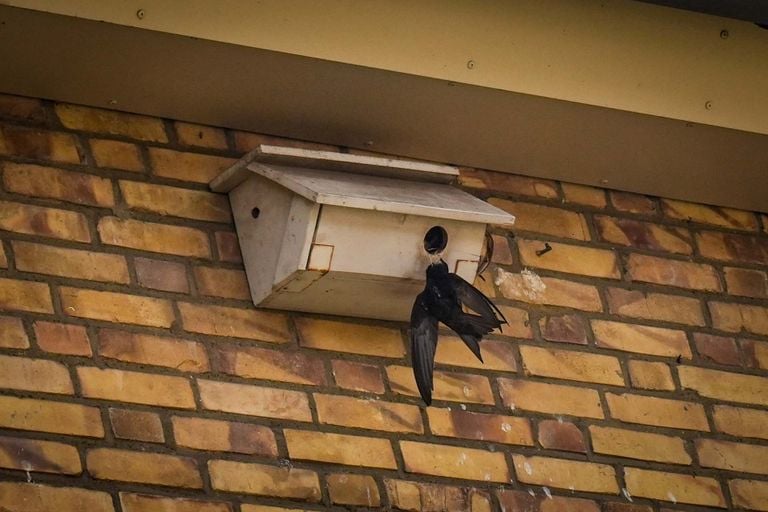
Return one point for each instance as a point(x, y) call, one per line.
point(435, 240)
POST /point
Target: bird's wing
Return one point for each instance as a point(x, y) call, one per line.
point(474, 299)
point(423, 345)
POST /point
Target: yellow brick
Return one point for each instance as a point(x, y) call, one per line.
point(222, 282)
point(417, 496)
point(264, 480)
point(507, 183)
point(749, 494)
point(48, 416)
point(38, 144)
point(224, 436)
point(497, 355)
point(198, 135)
point(454, 462)
point(572, 259)
point(89, 119)
point(24, 497)
point(582, 194)
point(348, 337)
point(659, 412)
point(254, 400)
point(135, 387)
point(678, 273)
point(353, 490)
point(34, 375)
point(529, 287)
point(519, 325)
point(352, 412)
point(566, 474)
point(733, 247)
point(238, 323)
point(638, 445)
point(747, 458)
point(340, 449)
point(641, 339)
point(182, 355)
point(25, 296)
point(732, 387)
point(176, 202)
point(152, 237)
point(482, 427)
point(570, 365)
point(451, 386)
point(545, 219)
point(741, 422)
point(58, 261)
point(187, 166)
point(651, 375)
point(655, 306)
point(566, 400)
point(48, 222)
point(116, 307)
point(140, 467)
point(674, 487)
point(117, 155)
point(12, 333)
point(34, 455)
point(737, 317)
point(258, 363)
point(49, 182)
point(704, 214)
point(644, 235)
point(147, 503)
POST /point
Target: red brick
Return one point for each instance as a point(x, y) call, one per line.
point(224, 436)
point(348, 337)
point(717, 349)
point(260, 479)
point(659, 412)
point(167, 276)
point(19, 107)
point(340, 449)
point(198, 135)
point(732, 317)
point(228, 247)
point(3, 258)
point(347, 489)
point(140, 467)
point(146, 503)
point(571, 365)
point(561, 435)
point(572, 259)
point(367, 414)
point(456, 387)
point(678, 273)
point(238, 323)
point(74, 263)
point(117, 155)
point(644, 235)
point(747, 282)
point(632, 203)
point(182, 355)
point(48, 222)
point(259, 363)
point(254, 400)
point(135, 387)
point(453, 422)
point(34, 455)
point(116, 307)
point(39, 144)
point(655, 306)
point(564, 329)
point(454, 462)
point(519, 324)
point(507, 183)
point(501, 251)
point(358, 376)
point(524, 502)
point(12, 333)
point(733, 247)
point(187, 166)
point(25, 497)
point(567, 400)
point(566, 474)
point(545, 219)
point(89, 119)
point(62, 338)
point(176, 202)
point(49, 416)
point(49, 182)
point(136, 425)
point(755, 353)
point(582, 194)
point(222, 282)
point(153, 237)
point(705, 214)
point(641, 339)
point(34, 375)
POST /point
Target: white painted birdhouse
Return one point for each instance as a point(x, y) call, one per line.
point(344, 234)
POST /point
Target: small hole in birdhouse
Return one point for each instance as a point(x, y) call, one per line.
point(435, 240)
point(255, 213)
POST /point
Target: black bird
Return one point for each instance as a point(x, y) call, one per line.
point(441, 301)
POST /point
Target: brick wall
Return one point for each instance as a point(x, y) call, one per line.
point(136, 375)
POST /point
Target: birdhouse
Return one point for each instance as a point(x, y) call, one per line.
point(344, 234)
